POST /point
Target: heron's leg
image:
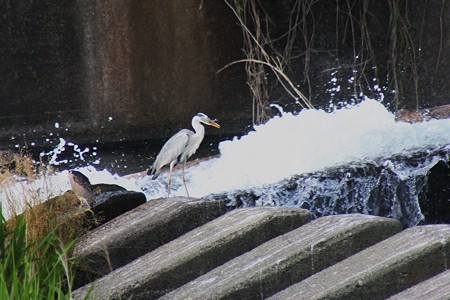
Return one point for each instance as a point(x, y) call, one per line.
point(182, 178)
point(170, 176)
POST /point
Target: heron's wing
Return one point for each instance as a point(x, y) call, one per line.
point(172, 149)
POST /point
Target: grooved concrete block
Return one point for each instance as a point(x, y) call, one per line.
point(382, 270)
point(289, 258)
point(140, 231)
point(196, 253)
point(435, 288)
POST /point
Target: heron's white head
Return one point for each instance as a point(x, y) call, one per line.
point(202, 118)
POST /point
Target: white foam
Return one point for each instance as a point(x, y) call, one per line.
point(291, 144)
point(311, 141)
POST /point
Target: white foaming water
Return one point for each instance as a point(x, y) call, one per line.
point(291, 144)
point(309, 142)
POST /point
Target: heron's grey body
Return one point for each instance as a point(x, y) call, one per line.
point(180, 147)
point(82, 187)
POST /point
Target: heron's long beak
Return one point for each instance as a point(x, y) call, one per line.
point(213, 124)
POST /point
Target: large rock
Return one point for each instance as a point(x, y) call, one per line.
point(195, 253)
point(113, 200)
point(289, 258)
point(65, 216)
point(138, 232)
point(435, 204)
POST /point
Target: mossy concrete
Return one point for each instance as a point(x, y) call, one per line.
point(382, 270)
point(195, 253)
point(140, 231)
point(289, 258)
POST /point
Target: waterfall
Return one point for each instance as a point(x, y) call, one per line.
point(395, 187)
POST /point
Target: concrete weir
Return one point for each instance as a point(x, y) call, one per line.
point(184, 248)
point(382, 270)
point(140, 231)
point(435, 288)
point(198, 251)
point(289, 258)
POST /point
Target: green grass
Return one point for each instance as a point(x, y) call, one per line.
point(33, 269)
point(37, 236)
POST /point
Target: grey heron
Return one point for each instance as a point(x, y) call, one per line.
point(82, 188)
point(180, 147)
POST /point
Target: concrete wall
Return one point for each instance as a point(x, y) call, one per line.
point(40, 70)
point(117, 70)
point(139, 69)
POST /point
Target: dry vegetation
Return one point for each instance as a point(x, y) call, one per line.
point(36, 240)
point(261, 54)
point(27, 190)
point(375, 43)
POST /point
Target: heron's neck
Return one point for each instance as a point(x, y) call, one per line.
point(198, 128)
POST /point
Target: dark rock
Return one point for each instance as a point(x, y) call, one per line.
point(436, 203)
point(67, 211)
point(103, 188)
point(113, 200)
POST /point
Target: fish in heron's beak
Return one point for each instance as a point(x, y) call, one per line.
point(213, 124)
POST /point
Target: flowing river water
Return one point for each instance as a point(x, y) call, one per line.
point(355, 159)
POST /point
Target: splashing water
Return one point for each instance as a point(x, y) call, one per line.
point(351, 160)
point(280, 155)
point(77, 153)
point(309, 142)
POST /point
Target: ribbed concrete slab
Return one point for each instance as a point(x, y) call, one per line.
point(289, 258)
point(435, 288)
point(196, 252)
point(382, 270)
point(140, 231)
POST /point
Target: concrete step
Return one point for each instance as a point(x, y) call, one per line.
point(195, 253)
point(435, 288)
point(138, 232)
point(382, 270)
point(289, 258)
